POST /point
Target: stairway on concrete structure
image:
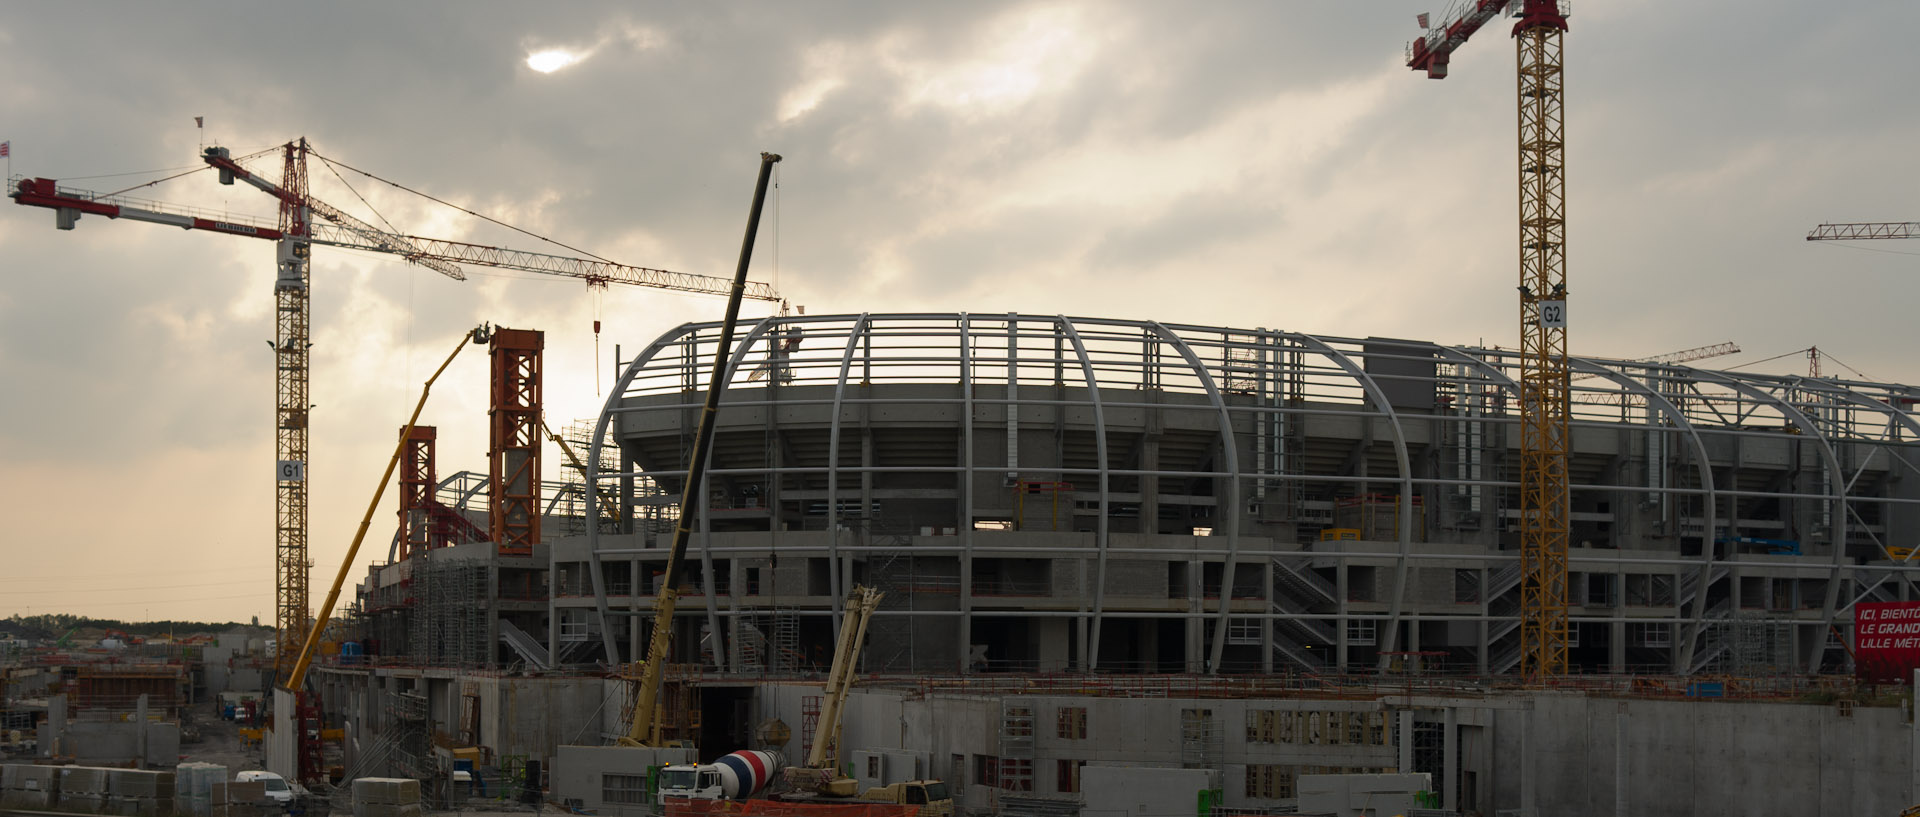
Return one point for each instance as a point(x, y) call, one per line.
point(1503, 631)
point(1876, 585)
point(1298, 591)
point(524, 645)
point(1713, 640)
point(1690, 584)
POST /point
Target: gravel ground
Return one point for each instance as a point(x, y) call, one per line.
point(218, 741)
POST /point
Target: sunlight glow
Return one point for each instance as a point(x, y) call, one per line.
point(551, 60)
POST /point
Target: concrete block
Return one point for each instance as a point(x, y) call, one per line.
point(386, 810)
point(397, 791)
point(23, 777)
point(139, 806)
point(22, 799)
point(83, 802)
point(234, 793)
point(140, 783)
point(81, 780)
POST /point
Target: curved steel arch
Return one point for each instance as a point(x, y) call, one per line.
point(858, 330)
point(1704, 466)
point(1065, 327)
point(1229, 510)
point(1379, 399)
point(592, 476)
point(1838, 497)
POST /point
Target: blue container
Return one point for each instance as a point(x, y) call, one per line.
point(1706, 689)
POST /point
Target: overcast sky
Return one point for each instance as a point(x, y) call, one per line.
point(1266, 164)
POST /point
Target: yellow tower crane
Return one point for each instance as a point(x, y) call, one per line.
point(1544, 440)
point(295, 233)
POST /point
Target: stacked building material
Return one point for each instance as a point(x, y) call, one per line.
point(193, 787)
point(386, 797)
point(139, 793)
point(25, 787)
point(236, 799)
point(83, 789)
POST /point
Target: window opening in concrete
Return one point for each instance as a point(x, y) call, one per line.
point(1072, 723)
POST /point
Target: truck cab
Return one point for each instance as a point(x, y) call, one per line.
point(691, 782)
point(930, 795)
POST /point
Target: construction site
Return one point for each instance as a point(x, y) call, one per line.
point(888, 564)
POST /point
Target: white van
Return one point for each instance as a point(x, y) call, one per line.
point(277, 789)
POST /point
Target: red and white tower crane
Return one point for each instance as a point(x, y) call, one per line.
point(1544, 410)
point(516, 397)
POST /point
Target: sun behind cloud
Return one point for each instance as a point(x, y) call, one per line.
point(549, 60)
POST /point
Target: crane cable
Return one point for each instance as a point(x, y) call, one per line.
point(477, 215)
point(167, 179)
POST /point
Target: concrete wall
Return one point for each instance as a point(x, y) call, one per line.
point(535, 716)
point(1133, 791)
point(1708, 758)
point(1698, 757)
point(582, 772)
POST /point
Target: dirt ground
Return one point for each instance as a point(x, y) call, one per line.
point(215, 740)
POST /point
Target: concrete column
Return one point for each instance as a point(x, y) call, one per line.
point(1149, 482)
point(1913, 753)
point(1340, 626)
point(1620, 760)
point(140, 731)
point(1450, 760)
point(1617, 644)
point(1196, 655)
point(1266, 624)
point(1406, 741)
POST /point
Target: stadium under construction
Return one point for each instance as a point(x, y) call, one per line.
point(1260, 553)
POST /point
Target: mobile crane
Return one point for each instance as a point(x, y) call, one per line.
point(823, 778)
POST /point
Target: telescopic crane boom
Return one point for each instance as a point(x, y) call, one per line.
point(644, 729)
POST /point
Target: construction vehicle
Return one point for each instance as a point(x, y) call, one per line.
point(823, 778)
point(737, 776)
point(644, 728)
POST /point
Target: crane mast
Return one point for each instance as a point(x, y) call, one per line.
point(292, 318)
point(1544, 390)
point(1544, 440)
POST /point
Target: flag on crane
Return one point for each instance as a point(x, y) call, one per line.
point(1422, 17)
point(199, 121)
point(6, 149)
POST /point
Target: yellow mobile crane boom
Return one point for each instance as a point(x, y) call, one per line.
point(645, 728)
point(822, 772)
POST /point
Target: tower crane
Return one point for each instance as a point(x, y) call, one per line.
point(1867, 229)
point(1616, 398)
point(1544, 411)
point(294, 234)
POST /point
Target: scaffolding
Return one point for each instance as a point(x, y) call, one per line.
point(1202, 740)
point(450, 620)
point(1016, 745)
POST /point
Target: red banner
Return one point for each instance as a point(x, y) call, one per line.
point(1886, 640)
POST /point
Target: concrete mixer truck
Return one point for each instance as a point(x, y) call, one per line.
point(737, 776)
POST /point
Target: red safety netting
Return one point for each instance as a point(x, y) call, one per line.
point(676, 807)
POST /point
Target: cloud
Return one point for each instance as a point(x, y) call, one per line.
point(1236, 163)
